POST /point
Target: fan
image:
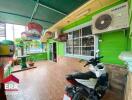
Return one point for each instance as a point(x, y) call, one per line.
point(103, 21)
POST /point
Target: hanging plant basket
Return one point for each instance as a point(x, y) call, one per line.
point(62, 37)
point(49, 34)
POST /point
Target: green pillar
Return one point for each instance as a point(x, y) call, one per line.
point(131, 44)
point(130, 19)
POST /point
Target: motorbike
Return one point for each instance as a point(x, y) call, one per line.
point(90, 85)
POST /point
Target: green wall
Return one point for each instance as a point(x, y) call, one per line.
point(60, 48)
point(38, 56)
point(113, 43)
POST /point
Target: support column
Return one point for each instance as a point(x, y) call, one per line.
point(131, 44)
point(130, 20)
point(127, 57)
point(1, 74)
point(128, 92)
point(2, 87)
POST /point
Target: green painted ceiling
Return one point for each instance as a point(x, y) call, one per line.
point(65, 6)
point(20, 11)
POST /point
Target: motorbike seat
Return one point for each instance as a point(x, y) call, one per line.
point(80, 75)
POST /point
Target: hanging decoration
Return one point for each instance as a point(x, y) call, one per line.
point(34, 30)
point(48, 34)
point(43, 39)
point(32, 26)
point(24, 34)
point(62, 37)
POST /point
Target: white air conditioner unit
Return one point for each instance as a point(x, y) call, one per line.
point(112, 19)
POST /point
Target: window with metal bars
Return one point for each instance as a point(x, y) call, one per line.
point(80, 42)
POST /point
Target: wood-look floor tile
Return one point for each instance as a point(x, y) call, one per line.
point(46, 82)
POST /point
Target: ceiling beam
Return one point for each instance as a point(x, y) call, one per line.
point(27, 17)
point(89, 7)
point(34, 10)
point(45, 6)
point(100, 2)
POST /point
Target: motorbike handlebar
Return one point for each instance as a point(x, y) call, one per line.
point(98, 58)
point(93, 61)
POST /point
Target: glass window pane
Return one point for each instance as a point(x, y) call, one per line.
point(18, 29)
point(87, 51)
point(76, 34)
point(69, 43)
point(86, 31)
point(9, 32)
point(2, 29)
point(88, 41)
point(14, 31)
point(76, 50)
point(69, 50)
point(81, 42)
point(76, 42)
point(92, 53)
point(2, 38)
point(34, 47)
point(70, 35)
point(88, 46)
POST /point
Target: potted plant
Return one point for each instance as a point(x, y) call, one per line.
point(30, 62)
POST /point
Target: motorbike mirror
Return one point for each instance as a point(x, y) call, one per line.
point(97, 51)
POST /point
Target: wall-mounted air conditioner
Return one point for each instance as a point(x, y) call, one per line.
point(112, 19)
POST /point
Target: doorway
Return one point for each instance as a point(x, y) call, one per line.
point(53, 50)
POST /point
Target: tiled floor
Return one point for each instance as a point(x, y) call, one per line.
point(46, 82)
